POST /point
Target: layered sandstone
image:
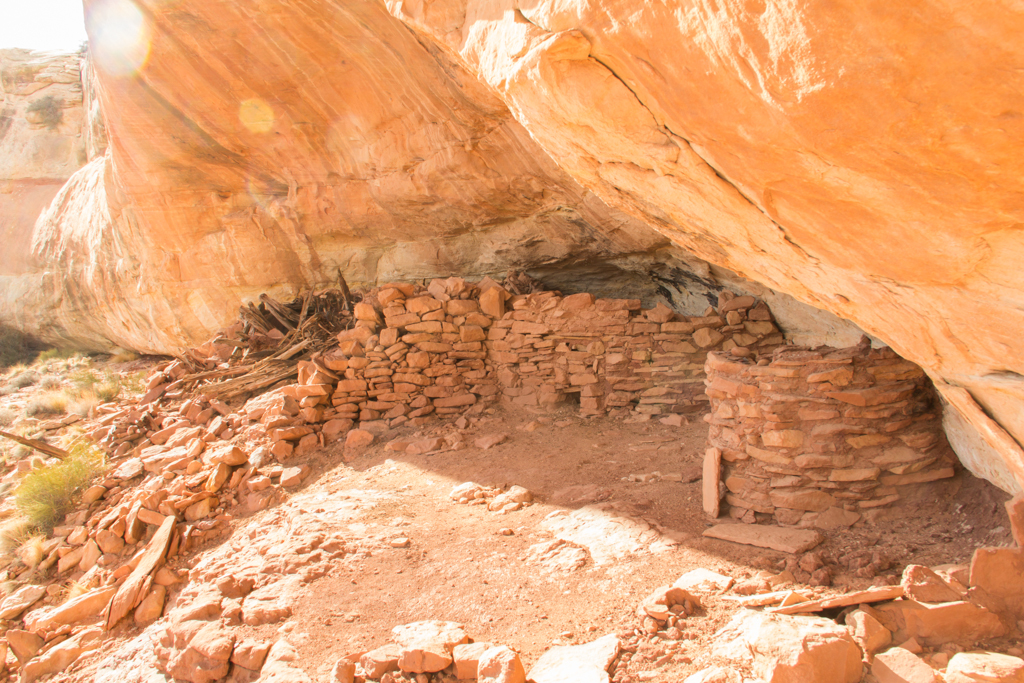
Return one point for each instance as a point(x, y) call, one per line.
point(42, 119)
point(865, 166)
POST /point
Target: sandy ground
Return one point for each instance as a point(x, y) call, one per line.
point(487, 570)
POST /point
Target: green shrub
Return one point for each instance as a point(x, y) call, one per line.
point(47, 494)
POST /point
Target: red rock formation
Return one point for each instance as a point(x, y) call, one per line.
point(862, 158)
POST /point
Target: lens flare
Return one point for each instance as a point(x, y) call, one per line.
point(256, 115)
point(119, 36)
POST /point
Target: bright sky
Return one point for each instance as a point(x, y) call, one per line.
point(44, 25)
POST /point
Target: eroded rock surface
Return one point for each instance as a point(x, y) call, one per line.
point(867, 171)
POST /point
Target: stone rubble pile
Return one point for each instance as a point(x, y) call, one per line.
point(441, 651)
point(819, 437)
point(928, 629)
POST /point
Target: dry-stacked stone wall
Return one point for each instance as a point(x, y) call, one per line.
point(808, 435)
point(613, 356)
point(454, 346)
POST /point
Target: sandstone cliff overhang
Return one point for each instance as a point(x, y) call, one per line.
point(868, 167)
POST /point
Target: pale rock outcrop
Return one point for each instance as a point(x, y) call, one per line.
point(790, 649)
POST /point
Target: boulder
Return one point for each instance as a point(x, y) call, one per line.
point(344, 671)
point(466, 658)
point(516, 494)
point(152, 606)
point(500, 665)
point(282, 665)
point(869, 633)
point(790, 649)
point(206, 657)
point(714, 674)
point(250, 654)
point(20, 600)
point(997, 580)
point(577, 663)
point(62, 655)
point(924, 585)
point(949, 622)
point(71, 612)
point(426, 646)
point(24, 644)
point(984, 667)
point(380, 661)
point(703, 580)
point(901, 666)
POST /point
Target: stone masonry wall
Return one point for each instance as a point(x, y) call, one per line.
point(612, 356)
point(818, 436)
point(454, 346)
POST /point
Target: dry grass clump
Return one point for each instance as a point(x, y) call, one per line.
point(50, 403)
point(106, 387)
point(123, 356)
point(47, 494)
point(14, 532)
point(23, 379)
point(31, 551)
point(82, 405)
point(7, 416)
point(49, 383)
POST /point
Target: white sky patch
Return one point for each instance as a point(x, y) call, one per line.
point(42, 25)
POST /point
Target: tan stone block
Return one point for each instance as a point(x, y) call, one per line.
point(984, 667)
point(423, 304)
point(810, 500)
point(763, 455)
point(997, 580)
point(472, 333)
point(861, 474)
point(783, 438)
point(868, 632)
point(461, 307)
point(868, 440)
point(898, 665)
point(707, 337)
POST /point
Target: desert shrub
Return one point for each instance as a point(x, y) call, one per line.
point(46, 111)
point(108, 388)
point(7, 416)
point(88, 385)
point(23, 379)
point(81, 405)
point(135, 383)
point(50, 403)
point(123, 356)
point(47, 494)
point(13, 534)
point(31, 551)
point(49, 383)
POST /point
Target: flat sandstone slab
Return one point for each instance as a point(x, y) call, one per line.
point(776, 538)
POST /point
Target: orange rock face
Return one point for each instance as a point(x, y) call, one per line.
point(863, 159)
point(868, 166)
